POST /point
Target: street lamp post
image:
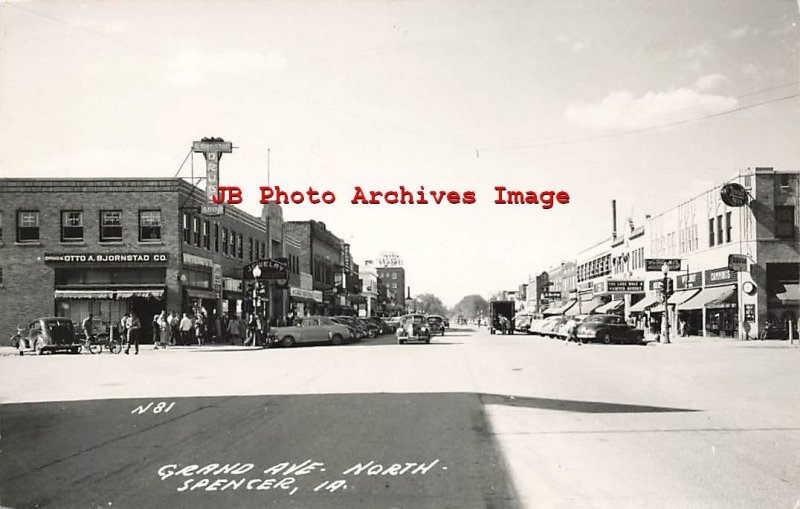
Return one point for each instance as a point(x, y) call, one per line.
point(257, 298)
point(665, 293)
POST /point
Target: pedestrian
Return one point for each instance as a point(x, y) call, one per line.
point(156, 329)
point(572, 332)
point(223, 326)
point(123, 330)
point(164, 330)
point(173, 322)
point(199, 324)
point(252, 324)
point(133, 326)
point(186, 327)
point(88, 325)
point(234, 329)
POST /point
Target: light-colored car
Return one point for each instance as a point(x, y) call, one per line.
point(545, 327)
point(561, 330)
point(413, 328)
point(311, 329)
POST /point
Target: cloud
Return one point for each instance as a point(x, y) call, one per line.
point(188, 67)
point(742, 32)
point(574, 44)
point(623, 110)
point(710, 81)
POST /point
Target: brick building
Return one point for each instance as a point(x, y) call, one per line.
point(109, 246)
point(320, 255)
point(394, 278)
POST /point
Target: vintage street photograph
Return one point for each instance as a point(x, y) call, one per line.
point(399, 254)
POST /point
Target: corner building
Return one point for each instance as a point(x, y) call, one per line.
point(70, 247)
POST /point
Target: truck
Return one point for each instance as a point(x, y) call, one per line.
point(501, 316)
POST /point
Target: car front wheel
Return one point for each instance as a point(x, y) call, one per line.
point(288, 341)
point(606, 338)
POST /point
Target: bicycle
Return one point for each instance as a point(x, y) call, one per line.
point(95, 344)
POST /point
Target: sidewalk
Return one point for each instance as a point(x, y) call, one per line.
point(652, 340)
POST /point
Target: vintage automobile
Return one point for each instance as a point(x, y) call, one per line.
point(372, 329)
point(608, 329)
point(522, 322)
point(382, 325)
point(413, 328)
point(50, 334)
point(560, 330)
point(436, 324)
point(311, 329)
point(544, 326)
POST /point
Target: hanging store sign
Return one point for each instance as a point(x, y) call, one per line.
point(625, 286)
point(721, 276)
point(97, 258)
point(216, 275)
point(749, 312)
point(655, 264)
point(734, 195)
point(273, 271)
point(689, 281)
point(551, 295)
point(599, 287)
point(737, 262)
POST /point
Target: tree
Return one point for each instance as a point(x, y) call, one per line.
point(471, 306)
point(430, 304)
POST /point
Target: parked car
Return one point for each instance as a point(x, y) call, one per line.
point(522, 322)
point(360, 332)
point(49, 334)
point(311, 329)
point(608, 329)
point(560, 330)
point(436, 324)
point(546, 325)
point(370, 327)
point(383, 327)
point(413, 327)
point(393, 322)
point(356, 333)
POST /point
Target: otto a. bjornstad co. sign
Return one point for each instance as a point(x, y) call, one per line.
point(106, 258)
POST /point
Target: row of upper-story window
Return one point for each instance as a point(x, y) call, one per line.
point(28, 226)
point(209, 235)
point(385, 275)
point(631, 261)
point(294, 263)
point(598, 267)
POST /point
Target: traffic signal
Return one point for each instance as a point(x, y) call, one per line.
point(670, 287)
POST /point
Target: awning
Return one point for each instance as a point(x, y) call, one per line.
point(715, 297)
point(111, 294)
point(786, 293)
point(197, 293)
point(648, 301)
point(682, 296)
point(585, 307)
point(610, 307)
point(560, 310)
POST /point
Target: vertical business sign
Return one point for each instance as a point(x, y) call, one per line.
point(212, 149)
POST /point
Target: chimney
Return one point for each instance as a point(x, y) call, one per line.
point(613, 219)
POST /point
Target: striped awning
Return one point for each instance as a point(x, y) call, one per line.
point(559, 310)
point(585, 307)
point(682, 296)
point(715, 297)
point(647, 302)
point(610, 307)
point(111, 294)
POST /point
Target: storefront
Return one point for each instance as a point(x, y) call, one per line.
point(716, 302)
point(302, 302)
point(687, 320)
point(108, 286)
point(199, 292)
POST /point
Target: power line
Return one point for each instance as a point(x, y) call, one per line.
point(643, 129)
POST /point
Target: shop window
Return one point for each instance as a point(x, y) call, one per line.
point(196, 230)
point(784, 222)
point(224, 241)
point(728, 227)
point(110, 225)
point(149, 225)
point(187, 230)
point(216, 237)
point(711, 232)
point(27, 226)
point(71, 225)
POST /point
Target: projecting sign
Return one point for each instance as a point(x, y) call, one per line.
point(624, 286)
point(212, 149)
point(734, 195)
point(654, 264)
point(551, 295)
point(737, 262)
point(692, 280)
point(212, 210)
point(273, 271)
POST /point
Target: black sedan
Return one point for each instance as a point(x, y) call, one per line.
point(608, 329)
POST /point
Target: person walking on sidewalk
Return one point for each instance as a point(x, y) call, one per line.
point(199, 326)
point(163, 330)
point(186, 327)
point(572, 332)
point(133, 326)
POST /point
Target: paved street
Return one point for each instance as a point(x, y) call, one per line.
point(471, 420)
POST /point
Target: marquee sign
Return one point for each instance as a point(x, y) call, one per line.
point(273, 271)
point(212, 149)
point(625, 286)
point(99, 258)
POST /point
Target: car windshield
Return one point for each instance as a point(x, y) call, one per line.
point(434, 319)
point(597, 319)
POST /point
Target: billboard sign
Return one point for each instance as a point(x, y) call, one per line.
point(655, 264)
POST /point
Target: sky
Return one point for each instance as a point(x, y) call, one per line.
point(645, 102)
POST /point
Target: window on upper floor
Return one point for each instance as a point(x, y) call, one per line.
point(250, 249)
point(728, 227)
point(216, 237)
point(196, 230)
point(711, 232)
point(224, 241)
point(719, 229)
point(187, 228)
point(240, 244)
point(1, 227)
point(110, 225)
point(784, 222)
point(27, 226)
point(149, 225)
point(71, 225)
